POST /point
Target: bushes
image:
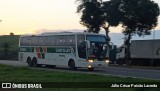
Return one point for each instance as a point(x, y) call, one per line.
point(9, 47)
point(6, 53)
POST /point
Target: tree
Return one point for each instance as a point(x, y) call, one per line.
point(97, 14)
point(138, 17)
point(5, 46)
point(92, 14)
point(11, 34)
point(112, 15)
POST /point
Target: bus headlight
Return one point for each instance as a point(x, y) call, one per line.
point(107, 61)
point(89, 66)
point(91, 61)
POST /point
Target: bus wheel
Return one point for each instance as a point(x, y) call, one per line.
point(90, 69)
point(29, 61)
point(71, 65)
point(34, 60)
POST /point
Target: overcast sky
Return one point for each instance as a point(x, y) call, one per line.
point(32, 16)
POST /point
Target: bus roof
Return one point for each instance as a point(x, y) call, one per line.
point(61, 33)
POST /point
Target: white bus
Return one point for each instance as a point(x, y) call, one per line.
point(75, 50)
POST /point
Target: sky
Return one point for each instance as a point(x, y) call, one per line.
point(35, 16)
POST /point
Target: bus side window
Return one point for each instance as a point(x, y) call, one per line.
point(27, 41)
point(22, 43)
point(35, 41)
point(81, 46)
point(61, 41)
point(70, 40)
point(42, 41)
point(51, 41)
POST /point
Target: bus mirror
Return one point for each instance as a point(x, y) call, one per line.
point(88, 43)
point(104, 46)
point(112, 45)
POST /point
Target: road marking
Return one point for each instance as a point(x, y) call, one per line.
point(136, 69)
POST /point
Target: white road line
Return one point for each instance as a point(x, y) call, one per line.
point(135, 69)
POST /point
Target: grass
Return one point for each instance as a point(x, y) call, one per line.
point(24, 74)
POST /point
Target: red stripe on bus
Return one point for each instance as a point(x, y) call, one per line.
point(37, 49)
point(39, 55)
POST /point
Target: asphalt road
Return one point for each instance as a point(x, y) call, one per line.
point(114, 71)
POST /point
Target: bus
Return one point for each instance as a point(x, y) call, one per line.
point(74, 50)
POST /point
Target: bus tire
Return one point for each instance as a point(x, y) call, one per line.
point(90, 69)
point(34, 61)
point(71, 64)
point(29, 61)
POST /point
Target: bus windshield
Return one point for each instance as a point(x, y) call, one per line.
point(96, 38)
point(98, 46)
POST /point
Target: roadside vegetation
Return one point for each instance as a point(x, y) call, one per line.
point(24, 74)
point(9, 47)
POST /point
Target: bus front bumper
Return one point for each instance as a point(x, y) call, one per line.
point(97, 64)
